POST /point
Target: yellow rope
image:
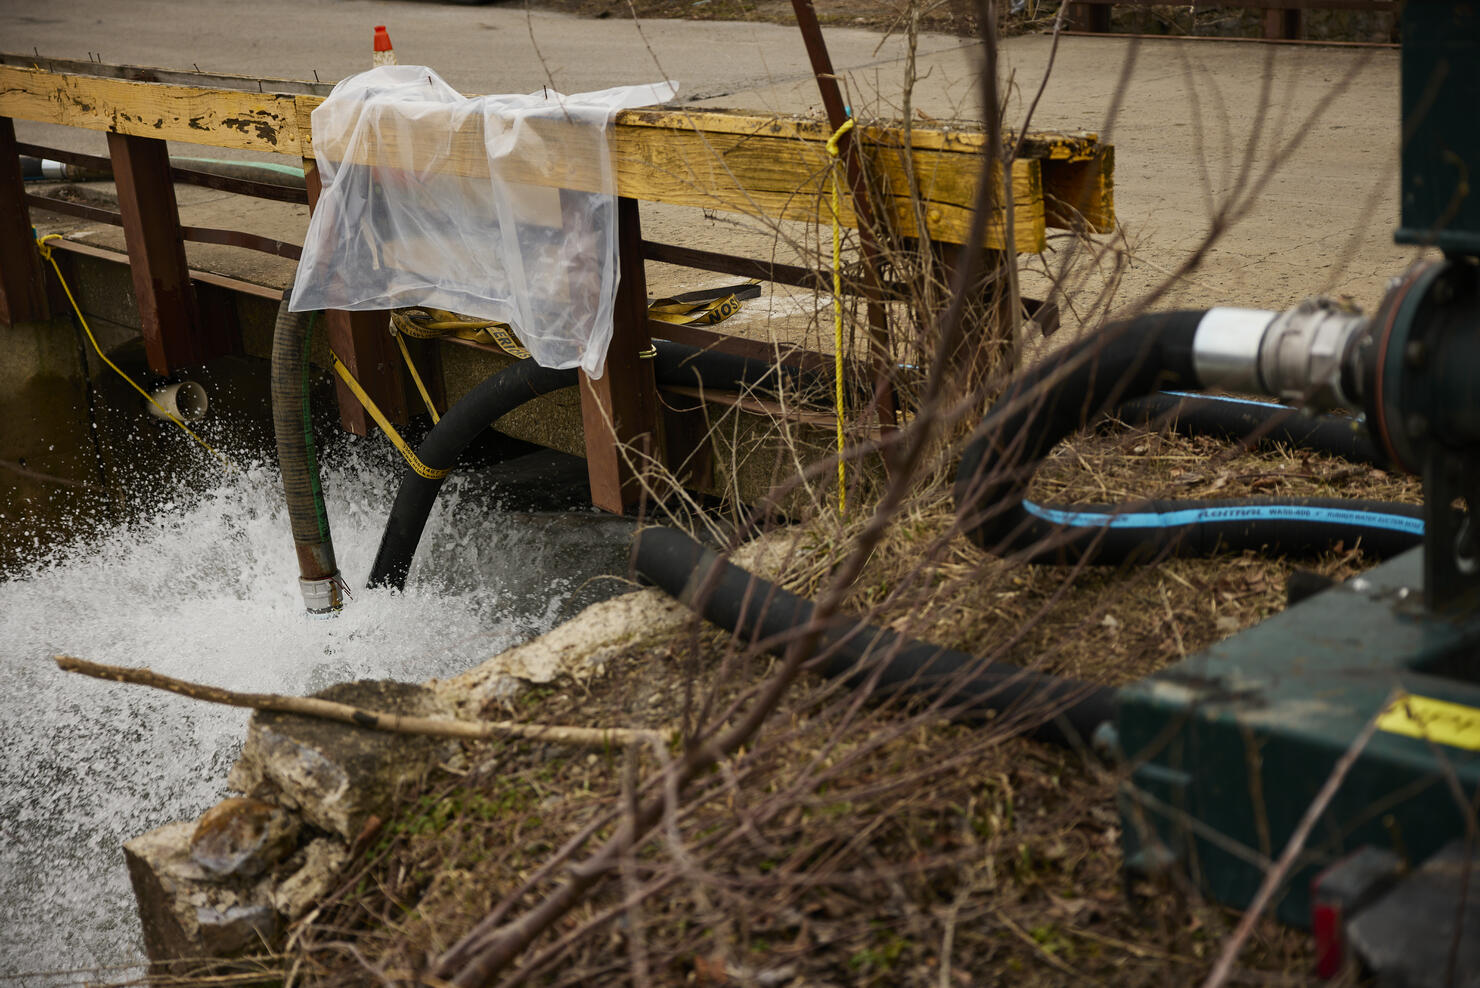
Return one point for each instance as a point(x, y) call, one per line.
point(42, 245)
point(385, 424)
point(410, 366)
point(837, 262)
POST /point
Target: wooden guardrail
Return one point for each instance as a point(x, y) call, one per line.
point(762, 166)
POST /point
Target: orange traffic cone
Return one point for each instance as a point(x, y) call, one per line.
point(384, 53)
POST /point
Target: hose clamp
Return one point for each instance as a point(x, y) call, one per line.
point(322, 597)
point(1303, 352)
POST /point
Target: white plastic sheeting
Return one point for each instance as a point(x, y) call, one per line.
point(410, 214)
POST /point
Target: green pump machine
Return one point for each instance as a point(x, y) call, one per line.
point(1375, 680)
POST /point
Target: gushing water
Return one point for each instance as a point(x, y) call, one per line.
point(206, 589)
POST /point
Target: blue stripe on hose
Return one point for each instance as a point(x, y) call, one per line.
point(1257, 404)
point(1232, 513)
point(1233, 401)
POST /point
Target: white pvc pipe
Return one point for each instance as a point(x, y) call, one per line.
point(186, 400)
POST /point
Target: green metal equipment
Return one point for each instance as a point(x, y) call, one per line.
point(1227, 750)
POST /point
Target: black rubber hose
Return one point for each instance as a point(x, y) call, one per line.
point(1049, 708)
point(1059, 396)
point(494, 397)
point(292, 421)
point(501, 393)
point(1252, 423)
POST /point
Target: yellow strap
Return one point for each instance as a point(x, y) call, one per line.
point(385, 424)
point(411, 366)
point(42, 245)
point(837, 262)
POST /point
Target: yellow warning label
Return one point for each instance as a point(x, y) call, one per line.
point(1436, 720)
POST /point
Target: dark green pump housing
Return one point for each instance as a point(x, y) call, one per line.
point(1441, 126)
point(1226, 751)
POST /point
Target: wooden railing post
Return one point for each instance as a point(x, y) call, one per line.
point(22, 287)
point(363, 341)
point(1089, 17)
point(168, 316)
point(1285, 23)
point(621, 409)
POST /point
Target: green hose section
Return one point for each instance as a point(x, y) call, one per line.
point(311, 450)
point(292, 424)
point(295, 171)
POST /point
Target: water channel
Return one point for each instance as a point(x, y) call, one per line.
point(204, 586)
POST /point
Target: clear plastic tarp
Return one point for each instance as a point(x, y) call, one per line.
point(499, 207)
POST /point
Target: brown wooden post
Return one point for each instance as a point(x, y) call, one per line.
point(1089, 17)
point(363, 341)
point(1283, 23)
point(22, 286)
point(168, 317)
point(622, 407)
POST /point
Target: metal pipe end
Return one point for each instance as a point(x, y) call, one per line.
point(1225, 348)
point(323, 598)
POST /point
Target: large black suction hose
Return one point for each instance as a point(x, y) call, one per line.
point(292, 345)
point(1253, 423)
point(1049, 708)
point(506, 390)
point(1057, 397)
point(492, 398)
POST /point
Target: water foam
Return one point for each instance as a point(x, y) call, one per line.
point(205, 588)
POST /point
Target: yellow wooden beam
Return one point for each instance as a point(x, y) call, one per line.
point(217, 117)
point(762, 166)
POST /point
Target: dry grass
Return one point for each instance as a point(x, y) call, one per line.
point(860, 844)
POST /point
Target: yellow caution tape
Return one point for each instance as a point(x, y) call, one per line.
point(46, 253)
point(1439, 721)
point(425, 323)
point(411, 366)
point(401, 445)
point(705, 313)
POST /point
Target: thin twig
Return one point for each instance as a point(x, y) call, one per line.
point(308, 706)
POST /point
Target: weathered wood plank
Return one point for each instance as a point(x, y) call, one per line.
point(761, 166)
point(1081, 194)
point(218, 117)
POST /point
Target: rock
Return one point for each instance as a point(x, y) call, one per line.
point(243, 837)
point(185, 914)
point(236, 930)
point(581, 646)
point(338, 775)
point(300, 891)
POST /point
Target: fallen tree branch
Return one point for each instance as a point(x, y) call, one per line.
point(308, 706)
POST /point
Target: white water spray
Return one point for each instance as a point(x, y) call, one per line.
point(208, 590)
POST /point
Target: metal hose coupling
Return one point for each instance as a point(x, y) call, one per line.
point(324, 598)
point(1302, 355)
